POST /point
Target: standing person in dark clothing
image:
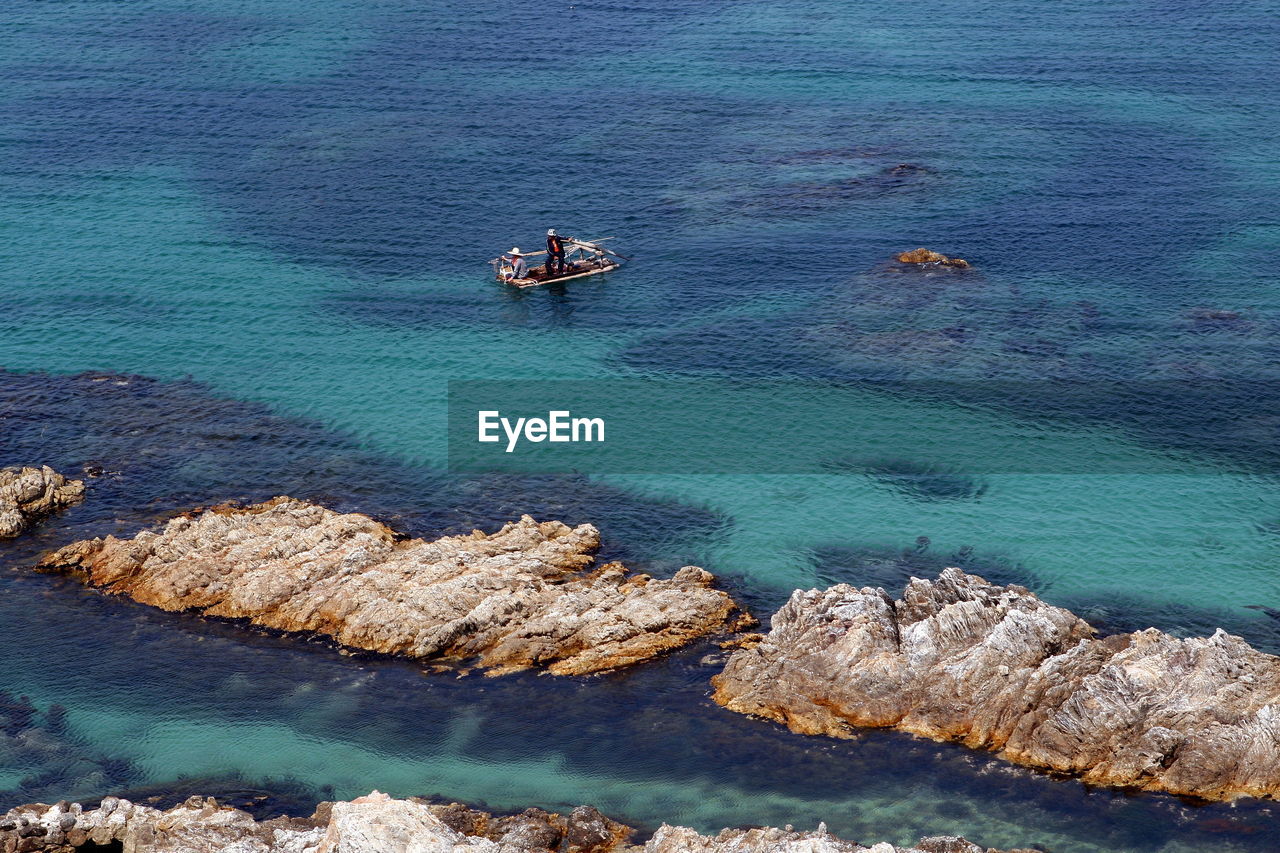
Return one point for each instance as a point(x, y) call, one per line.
point(555, 253)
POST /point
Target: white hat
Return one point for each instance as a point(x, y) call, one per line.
point(551, 232)
point(514, 252)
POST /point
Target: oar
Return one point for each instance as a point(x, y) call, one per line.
point(610, 252)
point(591, 246)
point(588, 242)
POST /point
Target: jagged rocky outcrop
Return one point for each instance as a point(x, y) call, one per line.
point(528, 595)
point(29, 494)
point(995, 667)
point(925, 256)
point(680, 839)
point(372, 824)
point(379, 824)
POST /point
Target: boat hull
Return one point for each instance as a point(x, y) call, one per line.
point(533, 281)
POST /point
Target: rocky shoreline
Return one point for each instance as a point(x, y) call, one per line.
point(957, 658)
point(996, 668)
point(377, 823)
point(526, 596)
point(28, 495)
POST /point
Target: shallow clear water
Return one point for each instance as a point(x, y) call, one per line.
point(292, 206)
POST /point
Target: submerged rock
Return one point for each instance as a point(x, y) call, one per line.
point(922, 480)
point(1202, 320)
point(376, 823)
point(29, 494)
point(43, 758)
point(528, 595)
point(925, 256)
point(959, 658)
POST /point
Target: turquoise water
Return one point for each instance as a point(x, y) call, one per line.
point(293, 207)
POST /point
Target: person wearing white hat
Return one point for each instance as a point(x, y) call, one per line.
point(518, 268)
point(555, 253)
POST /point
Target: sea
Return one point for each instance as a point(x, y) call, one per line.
point(243, 251)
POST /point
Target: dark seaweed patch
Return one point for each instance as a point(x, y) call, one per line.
point(54, 760)
point(920, 480)
point(811, 198)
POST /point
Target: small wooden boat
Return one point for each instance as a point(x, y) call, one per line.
point(581, 259)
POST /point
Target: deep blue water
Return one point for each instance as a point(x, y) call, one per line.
point(280, 214)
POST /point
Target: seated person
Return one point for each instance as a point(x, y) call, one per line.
point(517, 269)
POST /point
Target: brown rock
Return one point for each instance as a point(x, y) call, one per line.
point(588, 831)
point(462, 818)
point(742, 641)
point(584, 830)
point(522, 597)
point(995, 667)
point(29, 494)
point(925, 256)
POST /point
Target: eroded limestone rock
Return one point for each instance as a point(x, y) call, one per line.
point(377, 823)
point(528, 595)
point(679, 839)
point(29, 494)
point(961, 659)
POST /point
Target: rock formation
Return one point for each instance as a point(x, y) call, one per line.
point(525, 596)
point(372, 824)
point(924, 256)
point(379, 824)
point(29, 494)
point(680, 839)
point(994, 667)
